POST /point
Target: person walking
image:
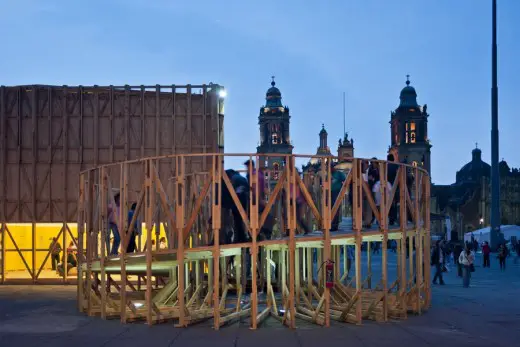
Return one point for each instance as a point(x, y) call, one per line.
point(486, 251)
point(136, 231)
point(55, 248)
point(466, 259)
point(502, 255)
point(438, 261)
point(113, 215)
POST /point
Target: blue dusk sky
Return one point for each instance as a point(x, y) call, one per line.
point(316, 49)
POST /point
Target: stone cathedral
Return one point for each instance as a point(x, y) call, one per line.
point(409, 130)
point(274, 122)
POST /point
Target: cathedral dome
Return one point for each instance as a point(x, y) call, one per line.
point(273, 97)
point(408, 95)
point(273, 91)
point(323, 131)
point(475, 169)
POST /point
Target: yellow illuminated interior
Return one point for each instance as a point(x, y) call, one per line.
point(21, 233)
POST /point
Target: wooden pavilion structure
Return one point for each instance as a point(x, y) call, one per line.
point(194, 276)
point(49, 134)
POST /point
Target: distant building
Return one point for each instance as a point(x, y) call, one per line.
point(409, 130)
point(467, 202)
point(323, 149)
point(345, 149)
point(345, 152)
point(274, 122)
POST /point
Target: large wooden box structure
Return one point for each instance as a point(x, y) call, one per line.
point(48, 134)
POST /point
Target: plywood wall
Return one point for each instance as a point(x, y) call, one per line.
point(49, 134)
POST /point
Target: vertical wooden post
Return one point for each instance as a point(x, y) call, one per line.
point(149, 206)
point(383, 210)
point(418, 237)
point(103, 225)
point(96, 129)
point(253, 223)
point(357, 212)
point(123, 222)
point(81, 235)
point(326, 206)
point(205, 130)
point(180, 213)
point(427, 240)
point(90, 241)
point(216, 214)
point(403, 218)
point(34, 111)
point(66, 182)
point(291, 223)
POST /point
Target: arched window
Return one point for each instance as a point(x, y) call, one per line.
point(276, 170)
point(275, 138)
point(395, 131)
point(414, 163)
point(410, 135)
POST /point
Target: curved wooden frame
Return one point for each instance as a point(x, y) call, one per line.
point(189, 280)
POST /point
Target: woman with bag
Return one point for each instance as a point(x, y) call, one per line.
point(466, 259)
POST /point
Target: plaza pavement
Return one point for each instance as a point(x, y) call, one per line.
point(487, 314)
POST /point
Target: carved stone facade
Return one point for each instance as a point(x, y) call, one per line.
point(409, 130)
point(468, 201)
point(274, 130)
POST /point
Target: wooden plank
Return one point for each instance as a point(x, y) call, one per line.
point(34, 113)
point(124, 236)
point(148, 222)
point(385, 202)
point(65, 180)
point(180, 213)
point(216, 225)
point(103, 225)
point(403, 223)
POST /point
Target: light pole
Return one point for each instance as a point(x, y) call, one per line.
point(495, 175)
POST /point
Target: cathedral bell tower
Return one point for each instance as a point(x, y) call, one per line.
point(345, 148)
point(409, 130)
point(323, 149)
point(274, 130)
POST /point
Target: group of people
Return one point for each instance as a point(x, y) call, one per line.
point(233, 227)
point(464, 259)
point(72, 253)
point(113, 237)
point(372, 177)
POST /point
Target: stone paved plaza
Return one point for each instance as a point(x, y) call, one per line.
point(487, 314)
